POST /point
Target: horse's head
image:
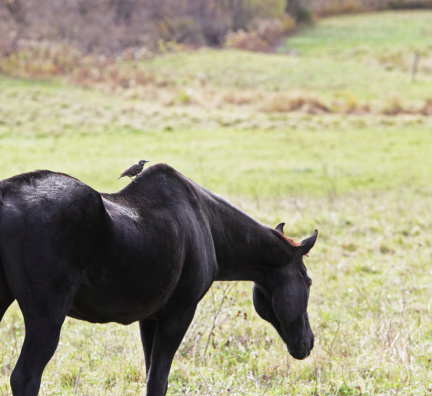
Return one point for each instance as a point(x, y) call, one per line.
point(282, 299)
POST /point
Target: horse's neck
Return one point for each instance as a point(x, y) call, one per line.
point(244, 247)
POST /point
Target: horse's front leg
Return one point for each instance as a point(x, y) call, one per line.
point(147, 329)
point(169, 331)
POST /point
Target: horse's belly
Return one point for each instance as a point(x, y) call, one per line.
point(117, 304)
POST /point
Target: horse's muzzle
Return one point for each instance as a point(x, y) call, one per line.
point(302, 352)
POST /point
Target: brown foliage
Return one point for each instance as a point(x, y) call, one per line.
point(110, 26)
point(89, 25)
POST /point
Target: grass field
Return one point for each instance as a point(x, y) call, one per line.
point(362, 178)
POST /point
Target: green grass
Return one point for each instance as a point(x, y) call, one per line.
point(372, 78)
point(94, 138)
point(374, 33)
point(363, 180)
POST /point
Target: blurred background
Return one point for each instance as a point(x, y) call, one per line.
point(314, 113)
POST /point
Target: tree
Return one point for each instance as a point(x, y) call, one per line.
point(299, 9)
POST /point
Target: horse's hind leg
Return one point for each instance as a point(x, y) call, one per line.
point(40, 343)
point(6, 297)
point(5, 301)
point(44, 309)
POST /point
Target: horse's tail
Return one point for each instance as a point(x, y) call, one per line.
point(6, 297)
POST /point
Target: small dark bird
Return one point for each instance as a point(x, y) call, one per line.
point(134, 170)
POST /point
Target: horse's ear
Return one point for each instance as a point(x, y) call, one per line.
point(308, 243)
point(280, 227)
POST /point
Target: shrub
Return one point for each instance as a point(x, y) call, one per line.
point(262, 34)
point(249, 41)
point(394, 107)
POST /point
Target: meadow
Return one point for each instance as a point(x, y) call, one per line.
point(330, 132)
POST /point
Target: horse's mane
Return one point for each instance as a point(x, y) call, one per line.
point(292, 241)
point(164, 169)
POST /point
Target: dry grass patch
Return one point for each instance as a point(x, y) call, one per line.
point(287, 102)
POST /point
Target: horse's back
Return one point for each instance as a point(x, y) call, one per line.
point(44, 204)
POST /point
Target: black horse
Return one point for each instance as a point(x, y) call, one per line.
point(148, 253)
